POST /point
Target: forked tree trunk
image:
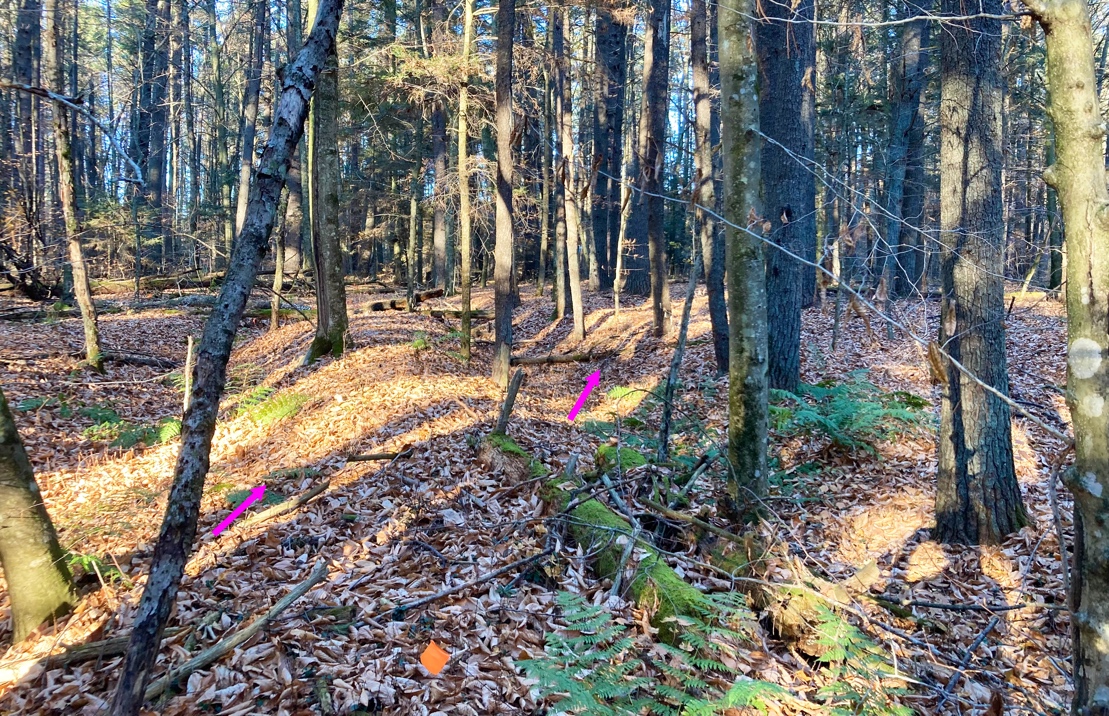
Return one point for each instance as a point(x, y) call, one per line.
point(749, 390)
point(1078, 176)
point(39, 584)
point(502, 278)
point(978, 500)
point(323, 211)
point(183, 508)
point(712, 238)
point(67, 190)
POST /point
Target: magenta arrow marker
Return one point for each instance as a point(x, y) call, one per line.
point(256, 494)
point(590, 383)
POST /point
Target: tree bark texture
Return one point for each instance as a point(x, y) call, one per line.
point(748, 390)
point(465, 220)
point(39, 583)
point(978, 499)
point(183, 508)
point(250, 108)
point(567, 168)
point(711, 236)
point(67, 190)
point(610, 76)
point(787, 63)
point(323, 211)
point(503, 301)
point(1078, 176)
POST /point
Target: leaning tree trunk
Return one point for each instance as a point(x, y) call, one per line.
point(323, 211)
point(67, 190)
point(503, 251)
point(712, 239)
point(39, 584)
point(787, 58)
point(978, 499)
point(183, 508)
point(749, 391)
point(1078, 176)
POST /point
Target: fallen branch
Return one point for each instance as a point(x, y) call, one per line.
point(227, 644)
point(115, 646)
point(466, 585)
point(701, 524)
point(287, 506)
point(376, 456)
point(563, 358)
point(401, 304)
point(509, 401)
point(455, 313)
point(152, 361)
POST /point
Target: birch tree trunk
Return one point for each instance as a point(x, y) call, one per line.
point(183, 508)
point(503, 251)
point(1078, 176)
point(748, 391)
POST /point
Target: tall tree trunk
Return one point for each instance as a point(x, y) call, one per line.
point(221, 176)
point(712, 239)
point(611, 76)
point(293, 225)
point(465, 221)
point(504, 299)
point(1078, 175)
point(183, 508)
point(978, 499)
point(39, 584)
point(907, 84)
point(646, 230)
point(67, 195)
point(567, 168)
point(749, 389)
point(545, 183)
point(439, 215)
point(787, 59)
point(250, 108)
point(27, 33)
point(415, 193)
point(323, 211)
point(151, 135)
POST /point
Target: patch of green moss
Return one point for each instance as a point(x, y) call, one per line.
point(629, 458)
point(291, 473)
point(506, 445)
point(655, 585)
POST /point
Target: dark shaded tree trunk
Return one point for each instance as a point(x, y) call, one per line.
point(323, 212)
point(39, 584)
point(27, 33)
point(1078, 176)
point(748, 393)
point(183, 508)
point(787, 59)
point(67, 189)
point(503, 301)
point(712, 239)
point(151, 132)
point(978, 499)
point(611, 75)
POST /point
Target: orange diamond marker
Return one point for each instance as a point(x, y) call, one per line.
point(434, 658)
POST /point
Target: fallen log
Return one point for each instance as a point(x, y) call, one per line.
point(377, 456)
point(115, 646)
point(401, 304)
point(561, 358)
point(223, 646)
point(287, 506)
point(151, 361)
point(455, 313)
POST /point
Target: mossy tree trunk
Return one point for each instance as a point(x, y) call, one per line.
point(39, 584)
point(747, 358)
point(1078, 175)
point(323, 211)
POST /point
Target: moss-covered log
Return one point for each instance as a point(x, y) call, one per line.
point(655, 587)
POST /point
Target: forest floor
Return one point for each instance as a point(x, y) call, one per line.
point(392, 532)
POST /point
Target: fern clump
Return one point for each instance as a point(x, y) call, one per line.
point(852, 415)
point(278, 408)
point(858, 674)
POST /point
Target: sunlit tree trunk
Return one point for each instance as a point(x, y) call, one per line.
point(504, 298)
point(38, 581)
point(748, 386)
point(67, 194)
point(465, 221)
point(1078, 175)
point(567, 168)
point(250, 108)
point(978, 500)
